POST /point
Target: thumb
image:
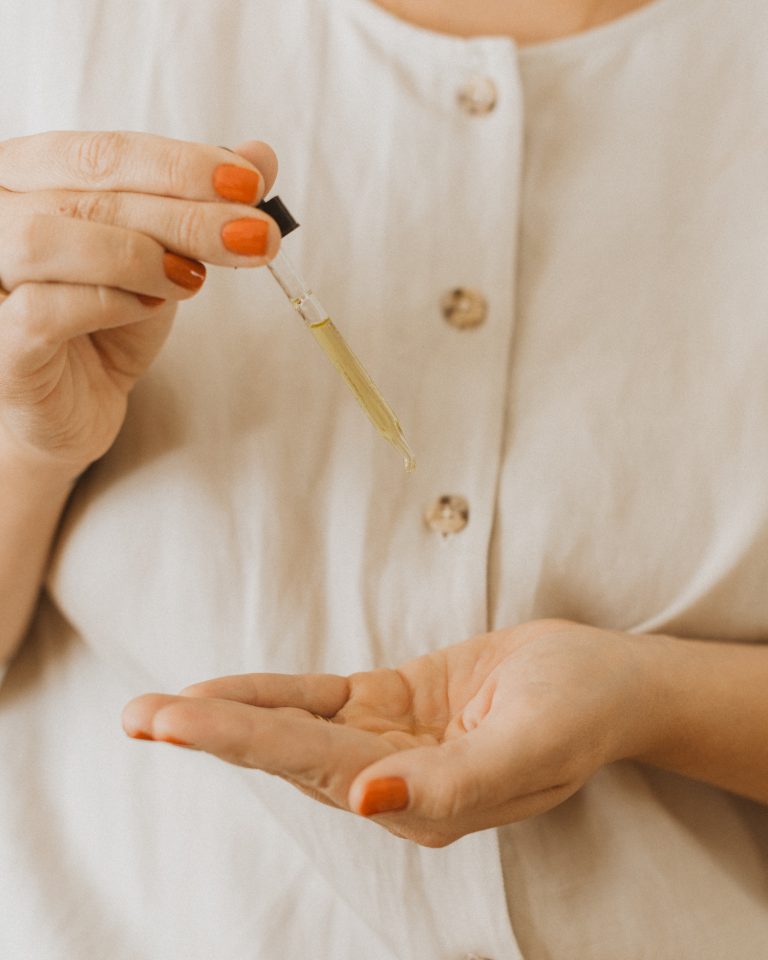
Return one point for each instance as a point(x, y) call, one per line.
point(439, 783)
point(263, 157)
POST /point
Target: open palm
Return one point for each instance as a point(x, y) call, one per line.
point(488, 731)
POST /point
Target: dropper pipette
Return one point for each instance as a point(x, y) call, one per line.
point(335, 347)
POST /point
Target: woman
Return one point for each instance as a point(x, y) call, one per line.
point(549, 250)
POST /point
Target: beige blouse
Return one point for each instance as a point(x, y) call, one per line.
point(596, 392)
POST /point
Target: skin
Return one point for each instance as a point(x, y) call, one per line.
point(506, 725)
point(523, 21)
point(86, 220)
point(499, 728)
point(485, 732)
point(495, 729)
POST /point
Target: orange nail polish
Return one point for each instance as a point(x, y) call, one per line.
point(248, 236)
point(140, 735)
point(187, 273)
point(149, 301)
point(384, 796)
point(236, 183)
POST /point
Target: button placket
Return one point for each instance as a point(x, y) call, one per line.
point(464, 246)
point(481, 84)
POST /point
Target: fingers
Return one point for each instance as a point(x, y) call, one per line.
point(136, 162)
point(227, 234)
point(40, 249)
point(438, 793)
point(263, 157)
point(321, 694)
point(139, 210)
point(37, 317)
point(290, 743)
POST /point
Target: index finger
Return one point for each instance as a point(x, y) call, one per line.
point(324, 757)
point(323, 694)
point(135, 162)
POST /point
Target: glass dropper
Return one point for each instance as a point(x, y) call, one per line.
point(335, 347)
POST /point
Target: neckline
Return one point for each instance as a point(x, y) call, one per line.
point(617, 30)
point(621, 28)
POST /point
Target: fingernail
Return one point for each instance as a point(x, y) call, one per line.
point(248, 236)
point(149, 301)
point(236, 183)
point(140, 735)
point(189, 274)
point(384, 796)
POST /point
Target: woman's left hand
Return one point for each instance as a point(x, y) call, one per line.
point(498, 728)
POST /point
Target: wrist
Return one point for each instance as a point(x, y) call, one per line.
point(32, 473)
point(33, 496)
point(648, 713)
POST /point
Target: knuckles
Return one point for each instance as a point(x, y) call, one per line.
point(110, 156)
point(27, 313)
point(96, 157)
point(174, 168)
point(98, 207)
point(442, 804)
point(191, 228)
point(28, 238)
point(134, 251)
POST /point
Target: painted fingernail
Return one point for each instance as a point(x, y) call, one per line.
point(140, 735)
point(184, 272)
point(236, 183)
point(149, 301)
point(384, 796)
point(248, 236)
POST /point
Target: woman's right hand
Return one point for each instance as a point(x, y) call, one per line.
point(101, 236)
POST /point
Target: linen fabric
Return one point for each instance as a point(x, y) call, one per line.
point(607, 424)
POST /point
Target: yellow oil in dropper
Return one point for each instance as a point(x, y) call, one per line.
point(359, 382)
point(335, 347)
